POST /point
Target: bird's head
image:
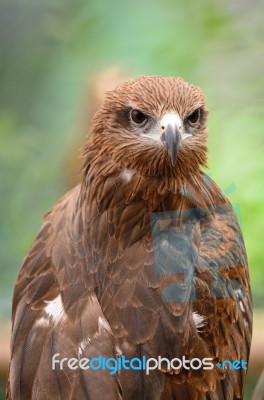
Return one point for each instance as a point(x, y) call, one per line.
point(154, 125)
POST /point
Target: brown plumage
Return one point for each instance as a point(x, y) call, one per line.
point(92, 284)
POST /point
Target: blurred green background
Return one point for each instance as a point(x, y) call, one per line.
point(52, 52)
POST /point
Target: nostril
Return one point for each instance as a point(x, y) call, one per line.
point(163, 127)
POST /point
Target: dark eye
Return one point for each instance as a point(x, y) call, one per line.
point(138, 117)
point(194, 117)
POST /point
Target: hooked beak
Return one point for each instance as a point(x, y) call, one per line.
point(171, 138)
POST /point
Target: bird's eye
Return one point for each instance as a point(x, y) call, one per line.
point(138, 117)
point(194, 117)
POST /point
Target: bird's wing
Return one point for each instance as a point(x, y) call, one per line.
point(211, 317)
point(223, 274)
point(55, 310)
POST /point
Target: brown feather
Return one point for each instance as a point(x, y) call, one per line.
point(97, 272)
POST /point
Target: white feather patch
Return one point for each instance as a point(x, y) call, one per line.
point(127, 175)
point(118, 351)
point(103, 324)
point(199, 321)
point(54, 309)
point(238, 292)
point(82, 346)
point(242, 306)
point(42, 323)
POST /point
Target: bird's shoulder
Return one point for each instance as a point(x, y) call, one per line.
point(41, 265)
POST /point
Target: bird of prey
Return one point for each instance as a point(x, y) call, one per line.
point(143, 260)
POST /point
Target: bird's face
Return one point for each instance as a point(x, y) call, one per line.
point(155, 121)
point(168, 130)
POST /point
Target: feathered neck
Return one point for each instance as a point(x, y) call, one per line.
point(132, 153)
point(106, 173)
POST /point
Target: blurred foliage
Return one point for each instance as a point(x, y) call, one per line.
point(2, 391)
point(50, 50)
